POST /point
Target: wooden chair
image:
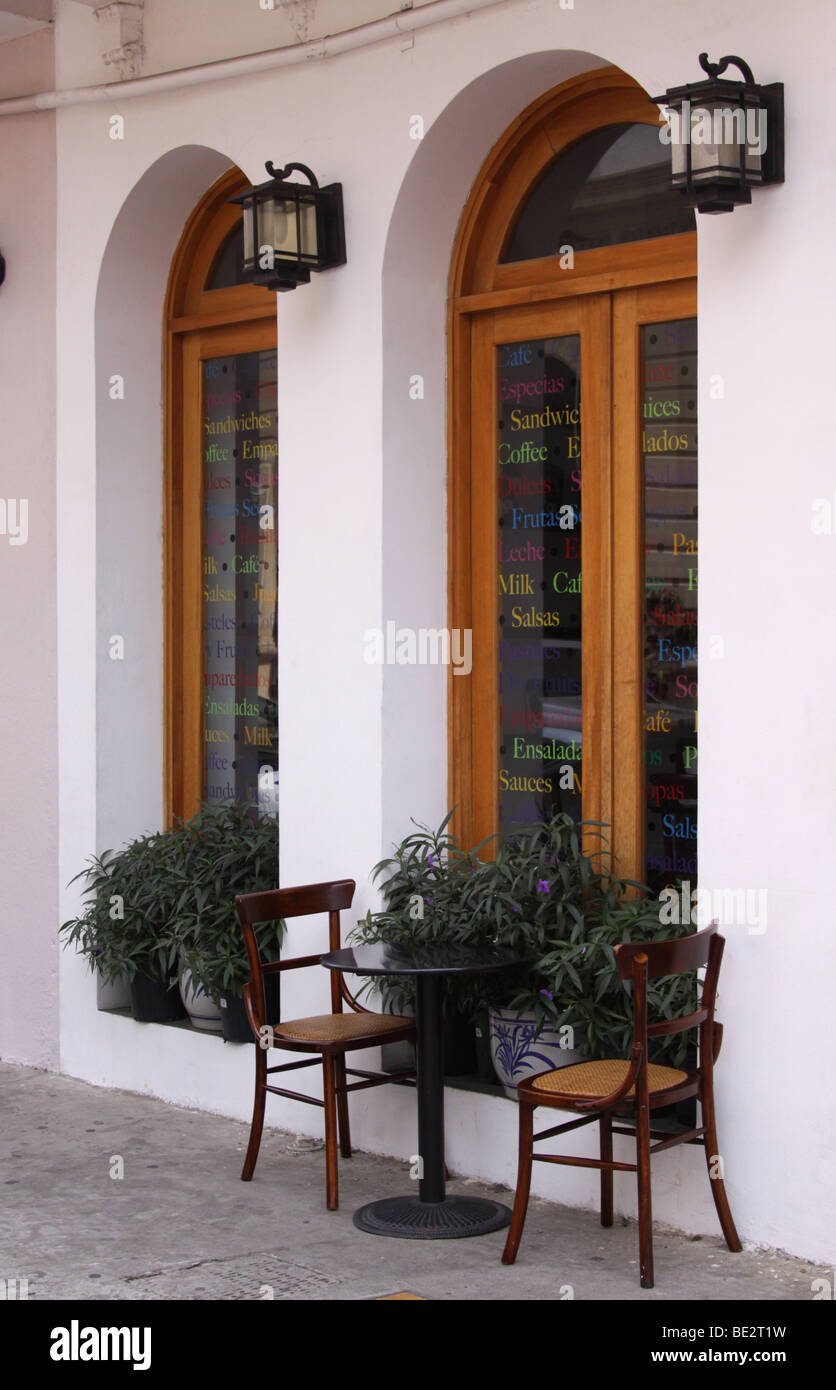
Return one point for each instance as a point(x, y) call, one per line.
point(635, 1087)
point(330, 1035)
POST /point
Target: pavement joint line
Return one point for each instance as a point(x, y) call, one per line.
point(181, 1267)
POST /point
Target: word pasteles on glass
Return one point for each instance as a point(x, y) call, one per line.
point(240, 577)
point(539, 600)
point(669, 450)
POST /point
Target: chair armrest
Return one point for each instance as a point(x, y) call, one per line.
point(350, 1000)
point(296, 963)
point(248, 1006)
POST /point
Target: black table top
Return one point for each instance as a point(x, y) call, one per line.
point(441, 958)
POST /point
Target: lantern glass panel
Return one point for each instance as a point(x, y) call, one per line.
point(291, 240)
point(679, 153)
point(718, 130)
point(307, 229)
point(249, 238)
point(273, 226)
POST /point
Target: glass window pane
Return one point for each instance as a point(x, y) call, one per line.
point(539, 600)
point(228, 269)
point(240, 577)
point(669, 450)
point(611, 186)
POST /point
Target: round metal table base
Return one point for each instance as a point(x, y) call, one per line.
point(411, 1219)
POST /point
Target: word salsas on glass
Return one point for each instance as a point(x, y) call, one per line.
point(669, 450)
point(539, 599)
point(240, 577)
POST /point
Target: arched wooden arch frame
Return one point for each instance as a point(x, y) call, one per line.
point(609, 290)
point(198, 324)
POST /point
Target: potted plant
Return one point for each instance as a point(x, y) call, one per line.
point(230, 850)
point(551, 893)
point(123, 929)
point(578, 984)
point(422, 888)
point(164, 906)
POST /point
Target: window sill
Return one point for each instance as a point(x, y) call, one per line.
point(182, 1023)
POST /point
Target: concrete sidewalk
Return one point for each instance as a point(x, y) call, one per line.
point(181, 1224)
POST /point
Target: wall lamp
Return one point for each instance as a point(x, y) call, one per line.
point(2, 268)
point(726, 136)
point(291, 228)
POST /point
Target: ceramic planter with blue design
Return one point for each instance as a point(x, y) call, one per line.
point(202, 1012)
point(519, 1051)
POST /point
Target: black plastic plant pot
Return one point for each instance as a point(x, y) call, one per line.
point(458, 1046)
point(234, 1022)
point(484, 1062)
point(154, 1002)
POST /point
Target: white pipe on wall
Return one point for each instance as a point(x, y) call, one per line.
point(393, 26)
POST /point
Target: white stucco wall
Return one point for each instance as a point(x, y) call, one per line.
point(28, 732)
point(361, 536)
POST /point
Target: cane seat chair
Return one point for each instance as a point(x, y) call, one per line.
point(330, 1036)
point(602, 1090)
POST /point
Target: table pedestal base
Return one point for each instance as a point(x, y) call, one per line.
point(412, 1219)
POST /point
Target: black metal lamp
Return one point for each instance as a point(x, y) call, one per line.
point(726, 136)
point(291, 228)
point(2, 269)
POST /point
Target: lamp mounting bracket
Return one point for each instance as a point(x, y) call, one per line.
point(717, 69)
point(289, 169)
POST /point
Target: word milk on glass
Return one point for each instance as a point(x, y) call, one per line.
point(240, 577)
point(539, 473)
point(669, 450)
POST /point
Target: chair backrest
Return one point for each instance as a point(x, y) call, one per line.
point(280, 903)
point(643, 961)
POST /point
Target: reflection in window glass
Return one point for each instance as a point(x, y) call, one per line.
point(539, 599)
point(669, 449)
point(240, 576)
point(611, 186)
point(228, 269)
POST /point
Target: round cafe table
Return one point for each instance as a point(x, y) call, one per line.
point(431, 1214)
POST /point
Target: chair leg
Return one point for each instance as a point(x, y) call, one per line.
point(509, 1254)
point(342, 1107)
point(258, 1114)
point(712, 1154)
point(645, 1209)
point(331, 1179)
point(605, 1126)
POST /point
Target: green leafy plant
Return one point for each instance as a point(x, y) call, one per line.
point(131, 896)
point(576, 981)
point(550, 894)
point(230, 851)
point(167, 899)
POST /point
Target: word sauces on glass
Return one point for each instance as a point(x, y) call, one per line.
point(240, 575)
point(539, 473)
point(669, 449)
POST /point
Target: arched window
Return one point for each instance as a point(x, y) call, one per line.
point(572, 497)
point(612, 186)
point(220, 550)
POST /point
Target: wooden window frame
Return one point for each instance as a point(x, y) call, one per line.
point(487, 301)
point(198, 323)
